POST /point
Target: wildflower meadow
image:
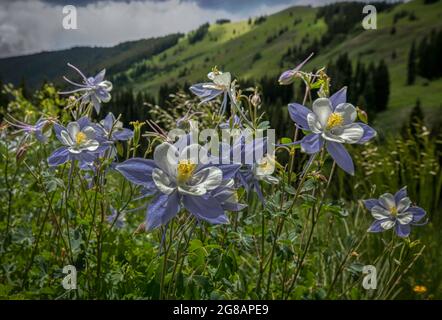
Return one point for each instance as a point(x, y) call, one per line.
point(202, 208)
point(208, 199)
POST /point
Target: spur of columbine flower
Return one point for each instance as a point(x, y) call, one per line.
point(79, 139)
point(221, 83)
point(331, 123)
point(394, 211)
point(94, 89)
point(38, 130)
point(179, 177)
point(287, 77)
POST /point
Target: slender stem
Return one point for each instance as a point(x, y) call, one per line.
point(315, 217)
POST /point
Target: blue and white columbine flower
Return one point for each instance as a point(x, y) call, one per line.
point(113, 130)
point(394, 212)
point(221, 83)
point(38, 130)
point(255, 164)
point(178, 178)
point(331, 123)
point(95, 89)
point(79, 141)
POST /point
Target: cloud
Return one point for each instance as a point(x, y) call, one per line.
point(33, 26)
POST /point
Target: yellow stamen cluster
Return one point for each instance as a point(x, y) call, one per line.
point(185, 170)
point(393, 211)
point(215, 70)
point(335, 120)
point(266, 165)
point(80, 137)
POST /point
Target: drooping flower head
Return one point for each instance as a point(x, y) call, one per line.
point(207, 91)
point(79, 140)
point(287, 77)
point(331, 123)
point(394, 211)
point(38, 130)
point(94, 89)
point(180, 177)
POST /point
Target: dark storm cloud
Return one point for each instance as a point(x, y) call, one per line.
point(29, 26)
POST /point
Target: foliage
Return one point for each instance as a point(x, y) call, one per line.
point(307, 240)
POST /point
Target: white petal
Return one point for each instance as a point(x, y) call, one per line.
point(192, 190)
point(387, 201)
point(162, 181)
point(313, 123)
point(89, 132)
point(75, 149)
point(106, 85)
point(379, 213)
point(387, 224)
point(403, 204)
point(66, 138)
point(73, 128)
point(404, 218)
point(348, 112)
point(328, 135)
point(349, 134)
point(322, 109)
point(194, 153)
point(166, 158)
point(223, 80)
point(90, 145)
point(208, 178)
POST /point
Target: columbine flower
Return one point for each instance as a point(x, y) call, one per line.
point(178, 178)
point(332, 123)
point(220, 84)
point(287, 77)
point(79, 143)
point(255, 164)
point(113, 130)
point(95, 89)
point(38, 129)
point(394, 211)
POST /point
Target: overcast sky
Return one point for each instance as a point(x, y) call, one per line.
point(29, 26)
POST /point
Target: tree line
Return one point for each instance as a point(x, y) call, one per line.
point(424, 59)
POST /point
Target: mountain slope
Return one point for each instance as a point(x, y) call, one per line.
point(256, 50)
point(51, 66)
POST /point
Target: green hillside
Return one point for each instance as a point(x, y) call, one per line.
point(251, 50)
point(51, 66)
point(256, 48)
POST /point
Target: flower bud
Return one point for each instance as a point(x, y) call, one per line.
point(362, 115)
point(287, 77)
point(137, 131)
point(256, 99)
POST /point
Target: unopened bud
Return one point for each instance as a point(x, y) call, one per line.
point(362, 115)
point(256, 100)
